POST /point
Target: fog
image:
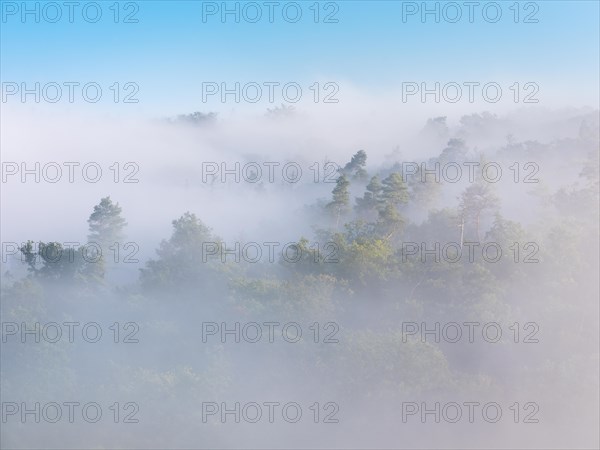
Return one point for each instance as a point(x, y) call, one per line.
point(370, 365)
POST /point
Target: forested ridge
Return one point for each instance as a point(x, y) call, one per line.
point(382, 259)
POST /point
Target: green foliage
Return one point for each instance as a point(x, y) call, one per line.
point(191, 257)
point(310, 297)
point(394, 194)
point(106, 224)
point(339, 205)
point(383, 364)
point(356, 166)
point(582, 199)
point(425, 191)
point(357, 274)
point(53, 262)
point(477, 199)
point(360, 255)
point(455, 152)
point(372, 199)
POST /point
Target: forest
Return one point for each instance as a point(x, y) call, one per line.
point(470, 275)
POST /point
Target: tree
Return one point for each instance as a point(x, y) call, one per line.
point(53, 261)
point(424, 191)
point(455, 152)
point(581, 198)
point(506, 233)
point(196, 119)
point(190, 258)
point(474, 201)
point(341, 198)
point(105, 231)
point(281, 112)
point(589, 132)
point(395, 191)
point(436, 127)
point(590, 172)
point(394, 194)
point(356, 166)
point(371, 199)
point(358, 256)
point(106, 224)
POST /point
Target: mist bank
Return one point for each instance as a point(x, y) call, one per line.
point(395, 304)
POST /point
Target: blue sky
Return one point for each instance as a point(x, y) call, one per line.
point(171, 51)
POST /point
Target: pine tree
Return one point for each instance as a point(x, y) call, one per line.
point(106, 224)
point(395, 191)
point(371, 199)
point(394, 194)
point(106, 230)
point(341, 199)
point(356, 166)
point(474, 201)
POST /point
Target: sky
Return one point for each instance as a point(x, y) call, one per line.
point(371, 50)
